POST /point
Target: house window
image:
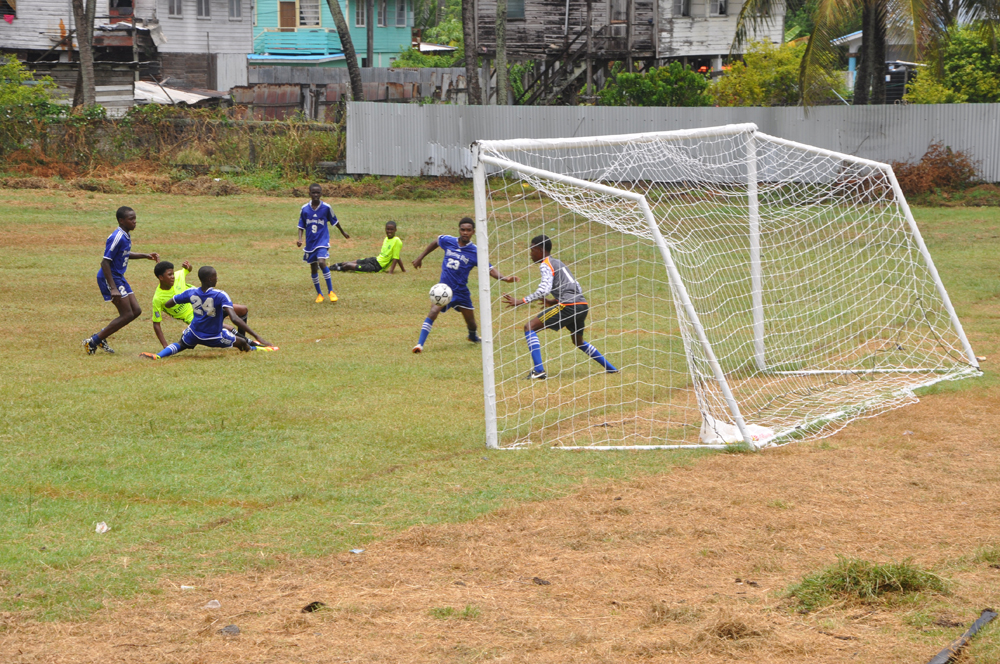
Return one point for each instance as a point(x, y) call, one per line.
point(682, 7)
point(383, 13)
point(204, 10)
point(308, 12)
point(175, 8)
point(235, 9)
point(8, 8)
point(359, 14)
point(119, 7)
point(723, 7)
point(400, 13)
point(515, 10)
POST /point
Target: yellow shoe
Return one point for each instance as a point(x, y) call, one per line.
point(333, 296)
point(319, 298)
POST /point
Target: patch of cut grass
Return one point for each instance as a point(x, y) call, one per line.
point(470, 612)
point(851, 578)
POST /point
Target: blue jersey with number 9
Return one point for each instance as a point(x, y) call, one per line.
point(208, 310)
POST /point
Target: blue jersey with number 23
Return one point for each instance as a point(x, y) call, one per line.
point(458, 263)
point(208, 310)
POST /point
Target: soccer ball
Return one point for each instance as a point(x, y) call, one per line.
point(440, 295)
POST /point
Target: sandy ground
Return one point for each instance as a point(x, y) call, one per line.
point(688, 566)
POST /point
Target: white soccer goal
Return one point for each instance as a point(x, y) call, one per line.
point(752, 290)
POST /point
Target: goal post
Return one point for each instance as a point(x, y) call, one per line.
point(751, 290)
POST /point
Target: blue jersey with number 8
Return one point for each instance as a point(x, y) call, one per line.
point(208, 310)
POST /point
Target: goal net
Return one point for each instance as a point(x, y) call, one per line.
point(750, 290)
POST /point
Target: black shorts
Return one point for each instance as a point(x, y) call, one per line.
point(369, 264)
point(570, 316)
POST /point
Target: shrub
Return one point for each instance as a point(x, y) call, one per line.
point(926, 89)
point(941, 168)
point(673, 85)
point(768, 76)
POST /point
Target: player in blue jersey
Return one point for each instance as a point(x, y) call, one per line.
point(314, 222)
point(460, 258)
point(211, 306)
point(111, 280)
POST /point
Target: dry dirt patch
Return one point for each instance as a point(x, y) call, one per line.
point(687, 566)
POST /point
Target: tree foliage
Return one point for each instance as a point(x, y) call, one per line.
point(768, 76)
point(964, 67)
point(672, 85)
point(25, 103)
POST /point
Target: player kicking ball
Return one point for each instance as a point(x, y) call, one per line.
point(210, 306)
point(566, 308)
point(460, 258)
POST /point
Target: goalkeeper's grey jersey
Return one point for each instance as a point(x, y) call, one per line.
point(557, 280)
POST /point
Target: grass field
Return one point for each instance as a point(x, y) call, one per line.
point(215, 464)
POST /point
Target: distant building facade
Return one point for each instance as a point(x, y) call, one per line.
point(302, 32)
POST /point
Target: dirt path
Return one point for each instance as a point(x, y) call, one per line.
point(638, 571)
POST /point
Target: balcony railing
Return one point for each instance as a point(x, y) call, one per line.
point(296, 41)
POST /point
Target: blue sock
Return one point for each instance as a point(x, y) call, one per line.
point(172, 349)
point(596, 354)
point(425, 329)
point(326, 275)
point(95, 339)
point(535, 346)
point(316, 284)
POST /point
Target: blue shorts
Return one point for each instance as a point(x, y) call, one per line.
point(316, 254)
point(123, 288)
point(460, 300)
point(189, 340)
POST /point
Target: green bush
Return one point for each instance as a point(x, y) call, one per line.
point(861, 580)
point(768, 76)
point(25, 104)
point(966, 67)
point(673, 85)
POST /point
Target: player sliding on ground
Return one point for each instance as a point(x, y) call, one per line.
point(387, 259)
point(459, 259)
point(313, 223)
point(111, 280)
point(210, 306)
point(566, 308)
point(173, 283)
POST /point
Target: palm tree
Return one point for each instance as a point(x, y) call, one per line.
point(357, 91)
point(474, 94)
point(878, 17)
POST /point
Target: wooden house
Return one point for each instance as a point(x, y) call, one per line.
point(565, 39)
point(302, 32)
point(193, 43)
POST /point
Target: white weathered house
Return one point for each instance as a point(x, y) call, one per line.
point(194, 43)
point(560, 37)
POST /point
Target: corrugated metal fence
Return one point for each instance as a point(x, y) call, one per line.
point(408, 139)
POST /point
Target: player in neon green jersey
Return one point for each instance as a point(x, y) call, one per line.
point(387, 260)
point(173, 283)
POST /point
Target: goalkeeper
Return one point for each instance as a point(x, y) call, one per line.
point(566, 308)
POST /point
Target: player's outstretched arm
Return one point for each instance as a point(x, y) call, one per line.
point(243, 327)
point(496, 275)
point(420, 259)
point(151, 256)
point(159, 334)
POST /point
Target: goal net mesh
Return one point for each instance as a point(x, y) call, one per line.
point(849, 316)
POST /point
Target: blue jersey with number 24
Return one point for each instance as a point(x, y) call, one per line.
point(208, 310)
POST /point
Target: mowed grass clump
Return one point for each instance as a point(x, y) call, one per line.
point(854, 579)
